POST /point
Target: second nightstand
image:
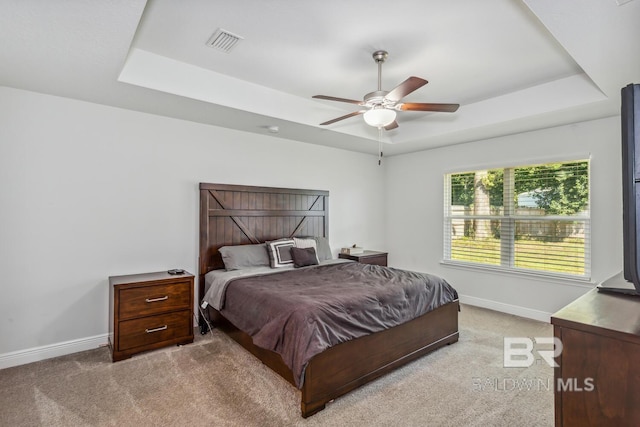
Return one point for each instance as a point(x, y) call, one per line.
point(368, 257)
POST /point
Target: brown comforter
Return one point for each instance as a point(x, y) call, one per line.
point(299, 313)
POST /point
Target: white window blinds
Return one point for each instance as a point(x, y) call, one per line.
point(533, 218)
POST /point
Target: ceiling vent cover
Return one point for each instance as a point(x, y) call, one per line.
point(223, 40)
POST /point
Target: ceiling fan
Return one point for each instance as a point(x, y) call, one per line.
point(381, 106)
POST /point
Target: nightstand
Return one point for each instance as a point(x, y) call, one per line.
point(149, 311)
point(368, 257)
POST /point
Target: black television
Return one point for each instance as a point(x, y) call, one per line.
point(628, 282)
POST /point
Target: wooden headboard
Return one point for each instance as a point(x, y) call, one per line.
point(240, 215)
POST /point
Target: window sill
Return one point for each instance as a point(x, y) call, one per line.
point(561, 278)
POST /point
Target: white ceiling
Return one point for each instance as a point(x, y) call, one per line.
point(512, 65)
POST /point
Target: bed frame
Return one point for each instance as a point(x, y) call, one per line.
point(236, 215)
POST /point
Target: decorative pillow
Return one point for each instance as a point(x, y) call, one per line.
point(280, 252)
point(243, 256)
point(307, 242)
point(304, 256)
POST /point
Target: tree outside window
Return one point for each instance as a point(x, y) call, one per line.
point(532, 218)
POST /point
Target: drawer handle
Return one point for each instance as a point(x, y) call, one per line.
point(166, 297)
point(161, 328)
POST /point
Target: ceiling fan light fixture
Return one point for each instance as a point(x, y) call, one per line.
point(379, 117)
point(383, 104)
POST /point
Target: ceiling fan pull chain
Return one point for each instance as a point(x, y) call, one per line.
point(379, 146)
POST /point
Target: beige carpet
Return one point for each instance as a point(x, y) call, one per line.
point(215, 382)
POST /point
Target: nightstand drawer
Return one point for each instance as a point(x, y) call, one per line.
point(154, 329)
point(148, 300)
point(375, 260)
point(367, 257)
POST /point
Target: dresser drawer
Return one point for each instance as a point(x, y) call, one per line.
point(149, 300)
point(154, 329)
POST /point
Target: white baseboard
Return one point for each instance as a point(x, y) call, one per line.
point(36, 354)
point(507, 308)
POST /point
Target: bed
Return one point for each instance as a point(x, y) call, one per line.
point(232, 215)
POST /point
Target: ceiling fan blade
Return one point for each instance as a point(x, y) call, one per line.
point(355, 113)
point(333, 98)
point(405, 88)
point(418, 106)
point(392, 125)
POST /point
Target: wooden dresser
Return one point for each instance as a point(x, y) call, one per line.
point(367, 257)
point(149, 311)
point(597, 382)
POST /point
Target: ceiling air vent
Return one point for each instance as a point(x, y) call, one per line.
point(223, 40)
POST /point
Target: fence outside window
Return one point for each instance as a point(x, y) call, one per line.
point(534, 218)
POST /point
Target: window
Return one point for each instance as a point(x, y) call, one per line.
point(529, 218)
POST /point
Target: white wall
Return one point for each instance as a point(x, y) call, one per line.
point(88, 191)
point(415, 187)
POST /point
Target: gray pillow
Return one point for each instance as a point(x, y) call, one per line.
point(243, 256)
point(323, 248)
